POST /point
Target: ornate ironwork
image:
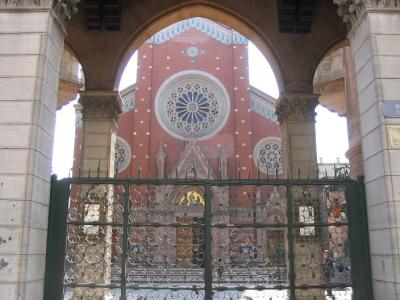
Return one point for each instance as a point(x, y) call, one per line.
point(203, 239)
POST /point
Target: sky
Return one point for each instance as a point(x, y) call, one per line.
point(331, 130)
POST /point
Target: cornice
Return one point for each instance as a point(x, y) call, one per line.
point(63, 9)
point(352, 10)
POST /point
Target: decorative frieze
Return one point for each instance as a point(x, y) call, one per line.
point(64, 9)
point(213, 30)
point(100, 105)
point(296, 107)
point(351, 10)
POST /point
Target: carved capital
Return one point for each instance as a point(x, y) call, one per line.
point(64, 9)
point(351, 10)
point(296, 107)
point(100, 105)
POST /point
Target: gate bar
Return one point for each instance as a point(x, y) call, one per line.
point(125, 241)
point(208, 236)
point(289, 211)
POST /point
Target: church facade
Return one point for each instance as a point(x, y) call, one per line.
point(193, 88)
point(193, 114)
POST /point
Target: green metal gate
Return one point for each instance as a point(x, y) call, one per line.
point(207, 239)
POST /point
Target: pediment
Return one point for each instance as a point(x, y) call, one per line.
point(192, 163)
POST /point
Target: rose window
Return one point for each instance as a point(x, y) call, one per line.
point(122, 154)
point(192, 105)
point(268, 155)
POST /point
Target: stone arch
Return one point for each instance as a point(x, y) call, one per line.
point(214, 13)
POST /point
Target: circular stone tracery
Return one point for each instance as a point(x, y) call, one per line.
point(267, 155)
point(192, 105)
point(122, 154)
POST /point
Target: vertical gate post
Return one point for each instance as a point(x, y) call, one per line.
point(56, 235)
point(292, 274)
point(208, 257)
point(125, 249)
point(359, 241)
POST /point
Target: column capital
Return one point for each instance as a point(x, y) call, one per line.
point(352, 10)
point(100, 104)
point(63, 9)
point(296, 107)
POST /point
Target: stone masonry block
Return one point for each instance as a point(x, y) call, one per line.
point(97, 140)
point(390, 88)
point(13, 187)
point(371, 119)
point(359, 35)
point(380, 241)
point(396, 187)
point(8, 291)
point(374, 167)
point(369, 96)
point(365, 75)
point(13, 212)
point(38, 189)
point(14, 161)
point(15, 136)
point(18, 65)
point(21, 88)
point(42, 165)
point(16, 112)
point(384, 23)
point(380, 288)
point(387, 44)
point(38, 215)
point(37, 241)
point(10, 240)
point(387, 67)
point(378, 216)
point(363, 55)
point(382, 267)
point(35, 265)
point(374, 141)
point(10, 22)
point(11, 264)
point(35, 289)
point(378, 190)
point(13, 44)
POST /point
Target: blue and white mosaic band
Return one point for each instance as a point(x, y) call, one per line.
point(213, 30)
point(267, 155)
point(263, 109)
point(192, 105)
point(123, 154)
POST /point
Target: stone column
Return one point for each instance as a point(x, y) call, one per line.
point(375, 42)
point(31, 44)
point(296, 116)
point(100, 112)
point(354, 154)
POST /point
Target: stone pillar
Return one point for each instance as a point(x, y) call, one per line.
point(375, 42)
point(100, 112)
point(31, 45)
point(354, 154)
point(296, 116)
